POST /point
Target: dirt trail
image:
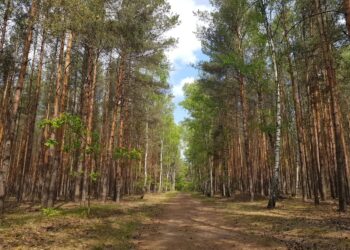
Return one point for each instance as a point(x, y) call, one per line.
point(189, 223)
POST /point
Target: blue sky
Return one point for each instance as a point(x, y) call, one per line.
point(187, 51)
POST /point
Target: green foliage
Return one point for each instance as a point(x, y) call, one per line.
point(135, 154)
point(238, 61)
point(139, 185)
point(51, 143)
point(124, 153)
point(183, 183)
point(268, 128)
point(121, 153)
point(75, 133)
point(94, 176)
point(74, 122)
point(50, 212)
point(54, 123)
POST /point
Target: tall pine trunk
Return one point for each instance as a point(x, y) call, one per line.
point(160, 188)
point(346, 4)
point(56, 132)
point(335, 107)
point(10, 126)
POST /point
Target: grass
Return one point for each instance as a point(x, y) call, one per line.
point(109, 226)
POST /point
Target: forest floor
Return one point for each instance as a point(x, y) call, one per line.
point(191, 221)
point(178, 221)
point(109, 226)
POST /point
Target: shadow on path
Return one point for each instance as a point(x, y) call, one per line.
point(189, 223)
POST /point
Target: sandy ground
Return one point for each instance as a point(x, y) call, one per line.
point(189, 223)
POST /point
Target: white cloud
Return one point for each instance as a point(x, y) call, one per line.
point(188, 43)
point(178, 91)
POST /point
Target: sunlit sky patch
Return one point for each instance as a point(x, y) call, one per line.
point(187, 51)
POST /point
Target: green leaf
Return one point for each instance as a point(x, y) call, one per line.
point(50, 143)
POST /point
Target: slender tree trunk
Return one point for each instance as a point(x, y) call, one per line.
point(298, 117)
point(145, 180)
point(121, 106)
point(4, 24)
point(55, 151)
point(26, 49)
point(247, 157)
point(109, 155)
point(105, 151)
point(173, 178)
point(335, 108)
point(31, 120)
point(31, 139)
point(44, 160)
point(211, 166)
point(67, 69)
point(90, 97)
point(9, 137)
point(276, 169)
point(346, 4)
point(81, 173)
point(118, 178)
point(161, 166)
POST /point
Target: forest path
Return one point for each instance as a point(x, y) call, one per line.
point(187, 222)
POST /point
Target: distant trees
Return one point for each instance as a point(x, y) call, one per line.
point(274, 96)
point(80, 81)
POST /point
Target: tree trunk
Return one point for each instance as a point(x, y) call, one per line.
point(346, 4)
point(67, 69)
point(335, 108)
point(4, 25)
point(247, 156)
point(211, 166)
point(146, 157)
point(121, 103)
point(161, 167)
point(298, 117)
point(90, 98)
point(55, 151)
point(9, 136)
point(276, 169)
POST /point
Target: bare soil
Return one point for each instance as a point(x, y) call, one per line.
point(189, 223)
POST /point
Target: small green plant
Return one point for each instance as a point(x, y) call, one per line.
point(50, 212)
point(123, 153)
point(94, 176)
point(51, 143)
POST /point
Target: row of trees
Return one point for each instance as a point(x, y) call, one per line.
point(85, 109)
point(272, 101)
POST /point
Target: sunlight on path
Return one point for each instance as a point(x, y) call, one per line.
point(188, 223)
